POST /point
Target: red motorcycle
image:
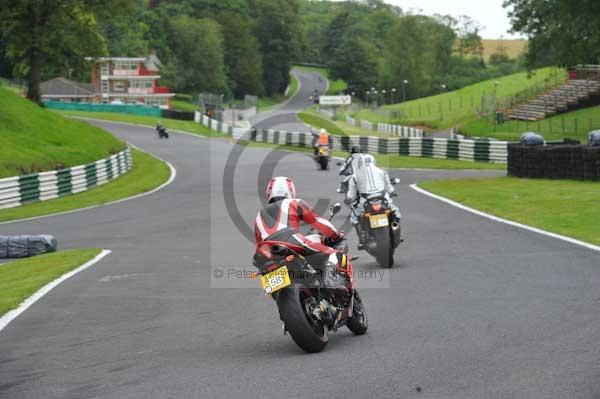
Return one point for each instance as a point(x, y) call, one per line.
point(307, 309)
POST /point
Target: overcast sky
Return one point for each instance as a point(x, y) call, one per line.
point(488, 13)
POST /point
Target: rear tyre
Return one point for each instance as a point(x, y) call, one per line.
point(308, 333)
point(323, 162)
point(358, 323)
point(385, 250)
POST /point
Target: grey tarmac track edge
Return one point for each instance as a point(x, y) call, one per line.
point(474, 308)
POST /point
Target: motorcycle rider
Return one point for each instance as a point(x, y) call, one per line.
point(320, 139)
point(281, 219)
point(346, 169)
point(367, 180)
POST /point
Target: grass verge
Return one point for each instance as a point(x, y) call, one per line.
point(566, 207)
point(314, 119)
point(147, 173)
point(181, 105)
point(188, 126)
point(33, 139)
point(458, 107)
point(575, 125)
point(19, 279)
point(397, 161)
point(339, 128)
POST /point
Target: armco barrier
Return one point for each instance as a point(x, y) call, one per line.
point(20, 190)
point(393, 130)
point(93, 107)
point(464, 150)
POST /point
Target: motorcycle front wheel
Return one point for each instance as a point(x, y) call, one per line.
point(358, 323)
point(295, 306)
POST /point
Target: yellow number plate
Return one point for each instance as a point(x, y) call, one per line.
point(324, 151)
point(378, 221)
point(276, 280)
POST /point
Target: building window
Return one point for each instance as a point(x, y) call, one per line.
point(104, 68)
point(126, 65)
point(141, 84)
point(119, 85)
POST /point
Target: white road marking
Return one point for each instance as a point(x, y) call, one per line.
point(505, 221)
point(13, 314)
point(173, 172)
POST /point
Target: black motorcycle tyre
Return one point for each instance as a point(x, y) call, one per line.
point(309, 336)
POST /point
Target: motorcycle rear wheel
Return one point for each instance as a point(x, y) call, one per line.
point(385, 250)
point(309, 334)
point(324, 163)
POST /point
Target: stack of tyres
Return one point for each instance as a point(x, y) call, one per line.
point(591, 163)
point(576, 160)
point(515, 160)
point(557, 165)
point(535, 160)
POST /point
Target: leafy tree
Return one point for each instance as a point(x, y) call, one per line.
point(417, 49)
point(242, 55)
point(275, 26)
point(469, 40)
point(126, 36)
point(498, 58)
point(355, 61)
point(561, 32)
point(198, 62)
point(62, 32)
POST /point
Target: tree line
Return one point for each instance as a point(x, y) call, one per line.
point(239, 47)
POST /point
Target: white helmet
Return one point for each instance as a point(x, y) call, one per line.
point(323, 131)
point(280, 187)
point(369, 159)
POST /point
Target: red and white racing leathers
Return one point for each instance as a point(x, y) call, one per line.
point(290, 213)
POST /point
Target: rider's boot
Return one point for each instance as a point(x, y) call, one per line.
point(360, 233)
point(332, 278)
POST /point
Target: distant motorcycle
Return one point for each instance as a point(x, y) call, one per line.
point(162, 132)
point(307, 309)
point(322, 157)
point(380, 231)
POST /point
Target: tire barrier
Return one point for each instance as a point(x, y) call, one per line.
point(392, 130)
point(220, 127)
point(555, 161)
point(466, 150)
point(463, 150)
point(21, 190)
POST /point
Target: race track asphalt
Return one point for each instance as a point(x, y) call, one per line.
point(472, 309)
point(283, 117)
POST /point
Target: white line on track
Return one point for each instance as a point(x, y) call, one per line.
point(13, 314)
point(172, 176)
point(505, 221)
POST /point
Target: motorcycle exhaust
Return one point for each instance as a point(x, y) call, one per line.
point(396, 233)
